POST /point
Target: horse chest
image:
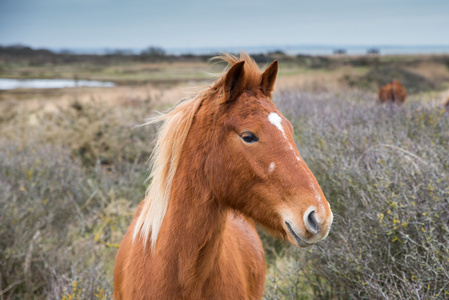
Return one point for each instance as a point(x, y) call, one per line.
point(231, 277)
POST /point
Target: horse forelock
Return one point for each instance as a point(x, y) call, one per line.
point(170, 140)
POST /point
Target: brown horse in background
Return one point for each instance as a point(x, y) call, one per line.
point(393, 92)
point(223, 161)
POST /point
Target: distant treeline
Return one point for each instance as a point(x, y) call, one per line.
point(25, 54)
point(41, 57)
point(38, 57)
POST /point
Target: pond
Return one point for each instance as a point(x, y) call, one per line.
point(10, 84)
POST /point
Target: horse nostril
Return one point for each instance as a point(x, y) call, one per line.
point(312, 223)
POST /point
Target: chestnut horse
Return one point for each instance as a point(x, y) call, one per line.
point(393, 92)
point(223, 161)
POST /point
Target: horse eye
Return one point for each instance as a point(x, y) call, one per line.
point(249, 137)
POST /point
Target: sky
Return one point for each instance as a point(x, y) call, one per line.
point(225, 23)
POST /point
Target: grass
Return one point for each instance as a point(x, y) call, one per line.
point(136, 69)
point(73, 171)
point(385, 172)
point(67, 197)
point(121, 74)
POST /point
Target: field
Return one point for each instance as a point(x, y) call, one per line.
point(73, 167)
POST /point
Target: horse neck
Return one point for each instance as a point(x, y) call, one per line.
point(192, 232)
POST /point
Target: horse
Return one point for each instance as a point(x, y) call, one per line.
point(393, 92)
point(223, 161)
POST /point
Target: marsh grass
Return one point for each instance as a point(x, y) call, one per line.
point(70, 182)
point(71, 179)
point(385, 172)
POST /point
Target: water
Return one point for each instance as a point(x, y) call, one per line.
point(10, 84)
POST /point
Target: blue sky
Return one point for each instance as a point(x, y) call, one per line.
point(225, 23)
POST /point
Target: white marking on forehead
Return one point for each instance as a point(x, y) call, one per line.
point(271, 167)
point(276, 121)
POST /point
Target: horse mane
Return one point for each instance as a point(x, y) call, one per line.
point(169, 143)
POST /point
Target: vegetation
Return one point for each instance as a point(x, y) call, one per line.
point(124, 68)
point(385, 172)
point(71, 178)
point(418, 73)
point(70, 183)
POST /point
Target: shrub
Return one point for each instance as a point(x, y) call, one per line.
point(383, 169)
point(380, 76)
point(62, 215)
point(385, 172)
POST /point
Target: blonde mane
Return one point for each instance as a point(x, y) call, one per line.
point(169, 142)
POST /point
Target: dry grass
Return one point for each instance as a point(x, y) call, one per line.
point(71, 178)
point(385, 172)
point(73, 169)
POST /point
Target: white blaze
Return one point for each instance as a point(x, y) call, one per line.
point(276, 121)
point(271, 167)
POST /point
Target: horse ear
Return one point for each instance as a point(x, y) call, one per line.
point(269, 79)
point(234, 82)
